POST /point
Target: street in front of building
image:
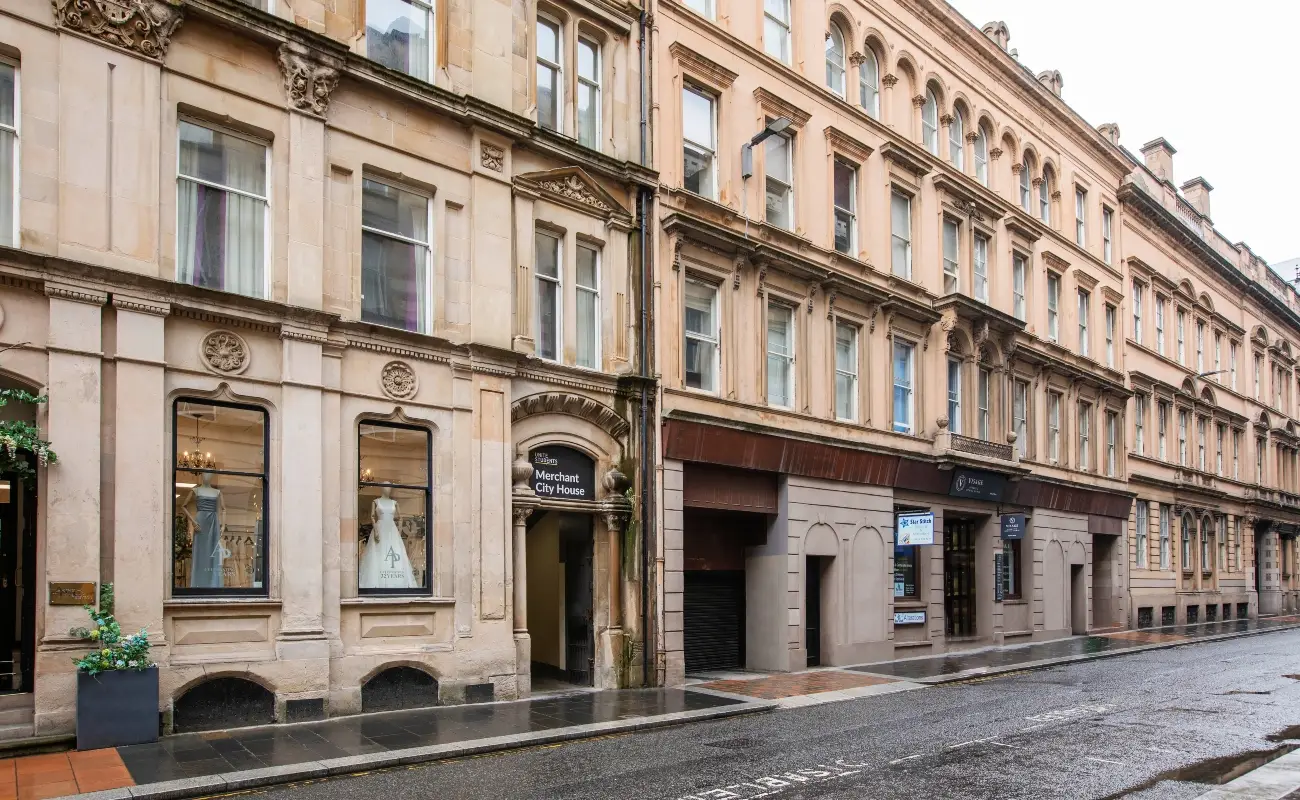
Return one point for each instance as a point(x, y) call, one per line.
point(1160, 724)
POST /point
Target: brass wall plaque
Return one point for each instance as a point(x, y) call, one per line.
point(72, 594)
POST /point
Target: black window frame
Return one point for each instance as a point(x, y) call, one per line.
point(427, 589)
point(253, 591)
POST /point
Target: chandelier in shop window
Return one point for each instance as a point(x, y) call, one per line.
point(197, 460)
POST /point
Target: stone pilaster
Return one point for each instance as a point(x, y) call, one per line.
point(523, 501)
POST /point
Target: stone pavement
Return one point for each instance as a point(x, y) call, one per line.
point(1276, 780)
point(58, 774)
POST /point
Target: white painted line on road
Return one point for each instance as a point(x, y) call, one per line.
point(958, 746)
point(1162, 750)
point(1103, 761)
point(1033, 728)
point(1004, 744)
point(906, 758)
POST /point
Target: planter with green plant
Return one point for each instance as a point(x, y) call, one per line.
point(117, 683)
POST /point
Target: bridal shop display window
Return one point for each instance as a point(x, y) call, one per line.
point(393, 509)
point(219, 507)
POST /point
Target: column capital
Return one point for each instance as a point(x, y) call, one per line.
point(310, 76)
point(142, 305)
point(77, 294)
point(140, 26)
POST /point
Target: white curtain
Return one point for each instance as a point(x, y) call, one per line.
point(221, 235)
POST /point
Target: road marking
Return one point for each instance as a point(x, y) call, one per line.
point(1162, 750)
point(959, 746)
point(1033, 728)
point(1004, 744)
point(777, 783)
point(1103, 761)
point(1071, 713)
point(906, 758)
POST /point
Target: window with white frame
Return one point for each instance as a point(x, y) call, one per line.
point(981, 150)
point(221, 211)
point(1260, 446)
point(1107, 232)
point(396, 289)
point(1201, 462)
point(846, 371)
point(869, 83)
point(957, 140)
point(1180, 336)
point(1162, 427)
point(8, 154)
point(1045, 196)
point(549, 298)
point(981, 268)
point(1220, 431)
point(589, 73)
point(1084, 424)
point(984, 400)
point(904, 383)
point(1080, 217)
point(550, 73)
point(1026, 175)
point(845, 199)
point(587, 288)
point(930, 122)
point(1160, 324)
point(835, 66)
point(1054, 427)
point(900, 228)
point(701, 329)
point(779, 180)
point(780, 355)
point(1053, 307)
point(1232, 365)
point(1018, 269)
point(1137, 312)
point(951, 245)
point(1164, 536)
point(702, 7)
point(1222, 536)
point(1236, 455)
point(954, 394)
point(1112, 444)
point(1141, 529)
point(1182, 437)
point(1085, 300)
point(776, 29)
point(1110, 335)
point(1020, 415)
point(1218, 357)
point(1259, 370)
point(1139, 423)
point(399, 35)
point(1200, 346)
point(699, 141)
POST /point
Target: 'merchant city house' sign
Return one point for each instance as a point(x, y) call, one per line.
point(562, 473)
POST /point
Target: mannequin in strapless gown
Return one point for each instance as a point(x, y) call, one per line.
point(385, 563)
point(207, 554)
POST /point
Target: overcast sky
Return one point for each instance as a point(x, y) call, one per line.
point(1220, 81)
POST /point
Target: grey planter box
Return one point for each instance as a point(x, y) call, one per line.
point(117, 708)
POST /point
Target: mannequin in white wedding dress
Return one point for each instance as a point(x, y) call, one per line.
point(385, 564)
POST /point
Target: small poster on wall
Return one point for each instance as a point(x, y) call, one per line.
point(915, 529)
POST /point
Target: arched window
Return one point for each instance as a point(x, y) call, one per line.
point(1045, 195)
point(835, 61)
point(1026, 169)
point(930, 123)
point(1187, 543)
point(869, 83)
point(957, 140)
point(981, 155)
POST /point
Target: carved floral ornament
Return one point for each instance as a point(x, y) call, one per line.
point(574, 188)
point(309, 78)
point(224, 352)
point(398, 380)
point(141, 26)
point(491, 156)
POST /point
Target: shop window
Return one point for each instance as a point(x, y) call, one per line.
point(1011, 569)
point(220, 503)
point(905, 572)
point(395, 285)
point(399, 35)
point(393, 509)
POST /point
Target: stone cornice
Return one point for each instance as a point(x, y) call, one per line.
point(76, 293)
point(905, 157)
point(846, 144)
point(711, 71)
point(774, 106)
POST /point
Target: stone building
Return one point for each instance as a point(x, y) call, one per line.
point(308, 292)
point(887, 300)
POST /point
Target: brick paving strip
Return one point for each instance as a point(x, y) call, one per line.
point(59, 774)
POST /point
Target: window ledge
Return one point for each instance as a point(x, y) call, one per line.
point(242, 603)
point(1014, 601)
point(909, 604)
point(397, 600)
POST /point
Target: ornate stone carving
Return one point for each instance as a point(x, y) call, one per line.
point(972, 136)
point(491, 156)
point(398, 380)
point(520, 471)
point(831, 296)
point(142, 26)
point(615, 482)
point(812, 292)
point(762, 278)
point(521, 512)
point(946, 119)
point(678, 243)
point(572, 187)
point(918, 100)
point(615, 519)
point(308, 78)
point(224, 352)
point(889, 81)
point(595, 412)
point(995, 153)
point(856, 58)
point(737, 267)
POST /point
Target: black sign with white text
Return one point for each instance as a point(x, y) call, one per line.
point(562, 473)
point(1013, 526)
point(977, 484)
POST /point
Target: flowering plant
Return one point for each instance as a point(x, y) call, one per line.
point(115, 652)
point(17, 436)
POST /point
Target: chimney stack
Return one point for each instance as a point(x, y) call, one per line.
point(1159, 155)
point(1197, 192)
point(1052, 80)
point(1111, 131)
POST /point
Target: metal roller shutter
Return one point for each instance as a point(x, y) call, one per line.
point(714, 620)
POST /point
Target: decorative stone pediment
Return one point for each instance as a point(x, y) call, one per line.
point(575, 405)
point(573, 187)
point(141, 26)
point(309, 77)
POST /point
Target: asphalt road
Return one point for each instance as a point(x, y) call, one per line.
point(1145, 726)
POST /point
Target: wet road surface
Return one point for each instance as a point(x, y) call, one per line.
point(1154, 725)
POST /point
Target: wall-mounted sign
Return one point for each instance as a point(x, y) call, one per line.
point(915, 529)
point(72, 594)
point(1013, 526)
point(562, 473)
point(977, 484)
point(999, 577)
point(909, 617)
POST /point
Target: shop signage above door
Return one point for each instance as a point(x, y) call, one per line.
point(977, 484)
point(909, 617)
point(562, 473)
point(1013, 526)
point(915, 529)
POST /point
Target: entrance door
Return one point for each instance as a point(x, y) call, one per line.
point(959, 577)
point(580, 649)
point(17, 568)
point(812, 598)
point(1078, 601)
point(714, 619)
point(1103, 582)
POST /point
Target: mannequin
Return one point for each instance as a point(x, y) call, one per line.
point(208, 554)
point(385, 563)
